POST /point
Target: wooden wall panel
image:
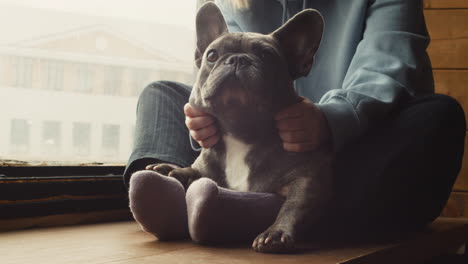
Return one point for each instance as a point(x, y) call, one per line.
point(461, 184)
point(449, 54)
point(449, 34)
point(457, 205)
point(447, 22)
point(445, 4)
point(453, 83)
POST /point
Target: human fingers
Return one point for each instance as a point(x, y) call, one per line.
point(191, 111)
point(195, 123)
point(290, 124)
point(290, 112)
point(203, 133)
point(294, 110)
point(298, 136)
point(210, 141)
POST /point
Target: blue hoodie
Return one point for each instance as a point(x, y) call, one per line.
point(372, 57)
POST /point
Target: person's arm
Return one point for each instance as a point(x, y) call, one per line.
point(389, 65)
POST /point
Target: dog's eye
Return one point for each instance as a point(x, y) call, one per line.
point(212, 56)
point(266, 53)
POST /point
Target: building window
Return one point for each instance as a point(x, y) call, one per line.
point(85, 78)
point(110, 140)
point(54, 75)
point(81, 139)
point(113, 82)
point(51, 137)
point(19, 136)
point(141, 78)
point(80, 70)
point(4, 71)
point(132, 135)
point(24, 72)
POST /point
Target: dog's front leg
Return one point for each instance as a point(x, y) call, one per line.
point(184, 175)
point(304, 201)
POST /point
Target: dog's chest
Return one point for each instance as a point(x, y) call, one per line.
point(237, 171)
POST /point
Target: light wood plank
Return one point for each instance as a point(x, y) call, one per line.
point(453, 83)
point(125, 243)
point(457, 205)
point(90, 244)
point(449, 38)
point(462, 181)
point(65, 219)
point(449, 54)
point(447, 24)
point(445, 4)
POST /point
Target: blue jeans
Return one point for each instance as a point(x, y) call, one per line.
point(398, 174)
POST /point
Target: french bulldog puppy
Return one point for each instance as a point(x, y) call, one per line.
point(243, 81)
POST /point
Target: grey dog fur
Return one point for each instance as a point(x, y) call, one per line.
point(250, 81)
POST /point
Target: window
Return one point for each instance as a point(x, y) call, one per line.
point(110, 140)
point(113, 81)
point(4, 71)
point(71, 74)
point(24, 72)
point(140, 78)
point(59, 62)
point(19, 136)
point(81, 139)
point(51, 137)
point(84, 78)
point(54, 80)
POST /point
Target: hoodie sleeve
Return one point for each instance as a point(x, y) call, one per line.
point(389, 63)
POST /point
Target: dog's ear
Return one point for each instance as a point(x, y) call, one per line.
point(210, 26)
point(299, 39)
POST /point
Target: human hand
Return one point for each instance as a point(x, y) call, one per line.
point(202, 126)
point(302, 127)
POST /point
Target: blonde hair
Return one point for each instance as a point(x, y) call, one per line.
point(236, 4)
point(240, 4)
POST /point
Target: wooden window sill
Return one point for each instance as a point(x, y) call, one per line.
point(124, 242)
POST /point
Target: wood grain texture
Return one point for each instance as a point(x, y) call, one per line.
point(445, 4)
point(453, 83)
point(457, 205)
point(449, 38)
point(447, 24)
point(64, 219)
point(449, 54)
point(124, 242)
point(462, 181)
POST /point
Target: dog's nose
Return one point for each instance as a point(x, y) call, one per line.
point(238, 60)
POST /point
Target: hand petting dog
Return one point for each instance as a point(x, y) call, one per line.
point(302, 127)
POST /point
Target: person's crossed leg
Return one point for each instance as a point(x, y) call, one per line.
point(420, 155)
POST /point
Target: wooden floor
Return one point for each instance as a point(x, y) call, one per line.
point(123, 242)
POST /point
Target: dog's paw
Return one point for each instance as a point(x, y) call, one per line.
point(274, 241)
point(182, 175)
point(163, 168)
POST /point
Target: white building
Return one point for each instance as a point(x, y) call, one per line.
point(71, 96)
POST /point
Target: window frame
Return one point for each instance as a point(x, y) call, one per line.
point(78, 188)
point(40, 191)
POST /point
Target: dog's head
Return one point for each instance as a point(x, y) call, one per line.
point(249, 75)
